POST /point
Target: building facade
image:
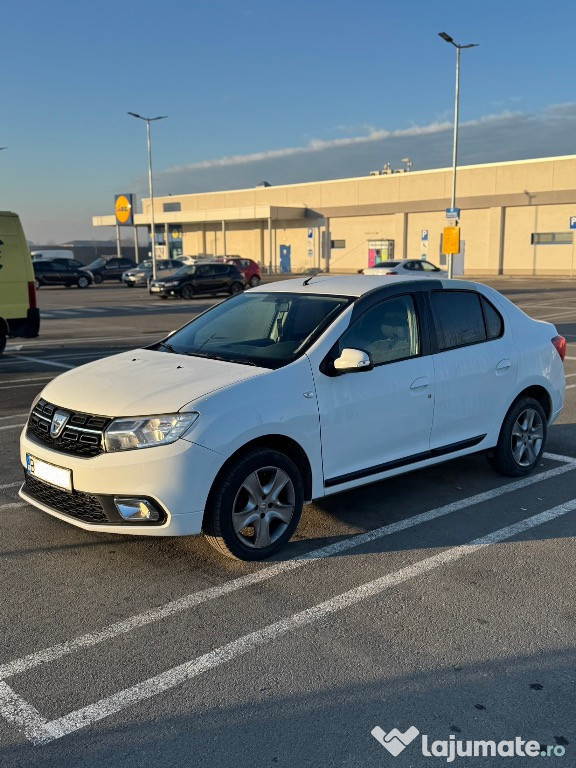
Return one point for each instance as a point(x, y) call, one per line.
point(515, 220)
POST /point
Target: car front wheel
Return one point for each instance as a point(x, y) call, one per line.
point(522, 439)
point(236, 288)
point(256, 507)
point(187, 292)
point(254, 281)
point(83, 282)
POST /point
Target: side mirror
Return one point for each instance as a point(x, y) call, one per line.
point(353, 361)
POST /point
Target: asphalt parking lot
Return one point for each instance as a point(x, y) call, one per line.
point(440, 600)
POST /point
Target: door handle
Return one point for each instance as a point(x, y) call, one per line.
point(420, 383)
point(503, 366)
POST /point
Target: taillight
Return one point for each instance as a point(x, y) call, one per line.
point(32, 295)
point(560, 344)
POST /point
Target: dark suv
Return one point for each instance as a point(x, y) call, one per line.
point(195, 279)
point(109, 268)
point(61, 273)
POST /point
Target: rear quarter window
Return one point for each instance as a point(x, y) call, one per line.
point(493, 320)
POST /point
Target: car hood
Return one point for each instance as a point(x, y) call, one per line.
point(143, 382)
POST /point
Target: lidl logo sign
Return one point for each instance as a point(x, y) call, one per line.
point(123, 204)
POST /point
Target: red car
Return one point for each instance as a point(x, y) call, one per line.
point(249, 269)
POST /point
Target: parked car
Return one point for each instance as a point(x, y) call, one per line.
point(289, 392)
point(61, 273)
point(192, 280)
point(249, 269)
point(406, 267)
point(142, 274)
point(109, 268)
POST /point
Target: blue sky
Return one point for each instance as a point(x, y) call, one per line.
point(263, 90)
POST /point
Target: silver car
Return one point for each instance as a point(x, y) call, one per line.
point(142, 274)
point(413, 267)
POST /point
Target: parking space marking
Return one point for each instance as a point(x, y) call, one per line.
point(29, 379)
point(14, 416)
point(43, 362)
point(187, 602)
point(10, 485)
point(40, 731)
point(13, 426)
point(12, 504)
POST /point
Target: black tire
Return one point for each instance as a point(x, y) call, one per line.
point(37, 284)
point(263, 470)
point(163, 297)
point(130, 285)
point(236, 288)
point(254, 281)
point(3, 337)
point(67, 285)
point(83, 281)
point(98, 278)
point(522, 439)
point(187, 292)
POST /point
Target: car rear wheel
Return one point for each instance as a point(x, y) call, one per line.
point(256, 507)
point(98, 278)
point(254, 281)
point(37, 284)
point(236, 288)
point(130, 285)
point(522, 439)
point(187, 292)
point(3, 337)
point(83, 282)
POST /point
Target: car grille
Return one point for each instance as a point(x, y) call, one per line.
point(82, 506)
point(82, 435)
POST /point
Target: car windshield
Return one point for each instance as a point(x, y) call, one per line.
point(265, 329)
point(96, 264)
point(184, 271)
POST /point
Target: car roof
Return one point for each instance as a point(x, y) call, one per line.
point(351, 285)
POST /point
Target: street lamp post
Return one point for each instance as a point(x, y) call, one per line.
point(458, 47)
point(149, 120)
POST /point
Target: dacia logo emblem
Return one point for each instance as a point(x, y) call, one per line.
point(59, 421)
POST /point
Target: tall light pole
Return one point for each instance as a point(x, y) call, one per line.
point(458, 47)
point(149, 120)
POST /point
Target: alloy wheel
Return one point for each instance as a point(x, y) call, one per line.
point(263, 507)
point(527, 436)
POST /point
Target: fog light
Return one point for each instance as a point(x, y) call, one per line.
point(137, 510)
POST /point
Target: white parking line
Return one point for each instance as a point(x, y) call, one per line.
point(40, 731)
point(23, 386)
point(14, 416)
point(10, 485)
point(13, 426)
point(46, 655)
point(31, 379)
point(43, 362)
point(12, 504)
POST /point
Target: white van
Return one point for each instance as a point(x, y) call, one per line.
point(49, 255)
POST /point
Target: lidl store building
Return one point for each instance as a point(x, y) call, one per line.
point(515, 220)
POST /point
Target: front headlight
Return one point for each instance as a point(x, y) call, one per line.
point(147, 431)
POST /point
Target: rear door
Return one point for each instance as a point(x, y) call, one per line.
point(475, 366)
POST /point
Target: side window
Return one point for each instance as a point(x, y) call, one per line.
point(458, 317)
point(203, 271)
point(416, 266)
point(388, 331)
point(427, 267)
point(112, 264)
point(493, 319)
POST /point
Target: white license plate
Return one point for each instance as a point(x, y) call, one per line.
point(58, 476)
point(155, 289)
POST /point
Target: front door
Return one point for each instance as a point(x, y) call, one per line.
point(372, 419)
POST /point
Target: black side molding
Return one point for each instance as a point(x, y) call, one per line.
point(406, 461)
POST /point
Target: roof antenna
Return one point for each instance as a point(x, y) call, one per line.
point(308, 279)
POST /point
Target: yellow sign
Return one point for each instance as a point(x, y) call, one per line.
point(451, 240)
point(123, 209)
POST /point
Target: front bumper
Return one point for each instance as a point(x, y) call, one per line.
point(165, 291)
point(177, 478)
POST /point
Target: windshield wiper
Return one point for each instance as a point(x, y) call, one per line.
point(212, 356)
point(169, 347)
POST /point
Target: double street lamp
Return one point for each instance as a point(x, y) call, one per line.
point(445, 36)
point(149, 120)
